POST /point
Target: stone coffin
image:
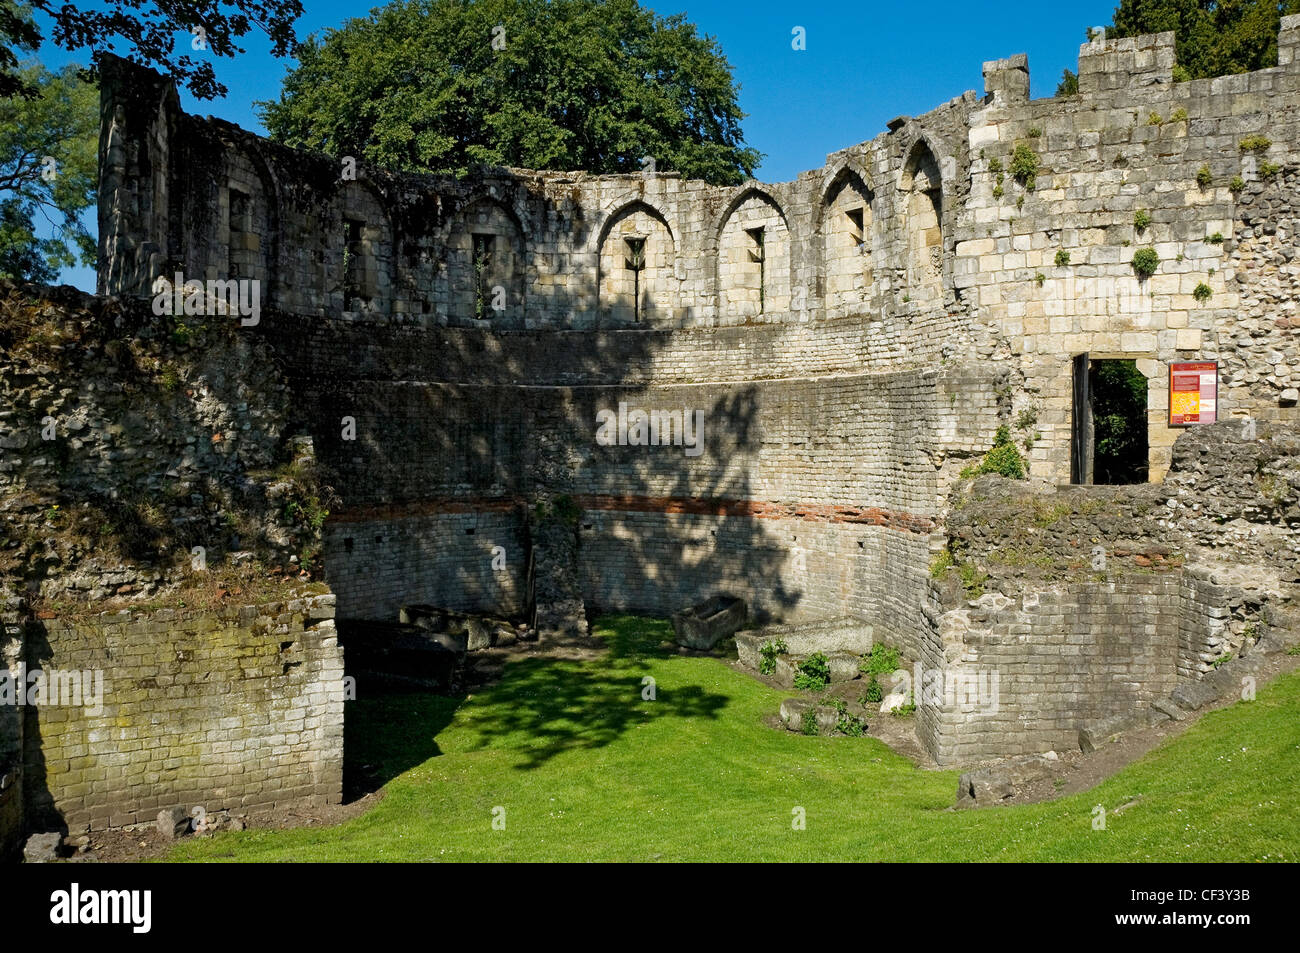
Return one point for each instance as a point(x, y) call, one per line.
point(704, 625)
point(847, 634)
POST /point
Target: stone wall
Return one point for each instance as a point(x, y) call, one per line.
point(853, 338)
point(1062, 658)
point(1089, 602)
point(238, 709)
point(924, 236)
point(1134, 141)
point(146, 466)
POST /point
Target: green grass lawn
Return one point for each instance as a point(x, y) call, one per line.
point(587, 770)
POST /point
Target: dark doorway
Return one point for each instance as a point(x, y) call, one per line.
point(1115, 398)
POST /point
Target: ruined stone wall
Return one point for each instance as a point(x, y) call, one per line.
point(377, 563)
point(1135, 143)
point(238, 709)
point(146, 465)
point(851, 357)
point(1088, 602)
point(926, 235)
point(1062, 658)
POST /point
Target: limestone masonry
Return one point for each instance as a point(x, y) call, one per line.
point(851, 341)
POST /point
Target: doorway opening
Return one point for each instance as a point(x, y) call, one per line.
point(1109, 444)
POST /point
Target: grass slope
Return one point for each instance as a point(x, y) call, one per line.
point(587, 770)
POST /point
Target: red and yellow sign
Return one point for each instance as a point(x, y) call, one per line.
point(1193, 393)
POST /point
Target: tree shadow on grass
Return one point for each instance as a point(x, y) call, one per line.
point(547, 707)
point(385, 735)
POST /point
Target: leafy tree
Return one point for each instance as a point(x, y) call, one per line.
point(148, 28)
point(17, 33)
point(1069, 84)
point(48, 152)
point(1119, 413)
point(1212, 37)
point(442, 85)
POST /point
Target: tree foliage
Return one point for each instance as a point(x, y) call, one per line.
point(1212, 37)
point(443, 85)
point(145, 31)
point(48, 154)
point(1119, 411)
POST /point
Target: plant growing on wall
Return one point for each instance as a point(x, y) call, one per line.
point(1145, 262)
point(1203, 177)
point(1256, 144)
point(1003, 459)
point(1024, 166)
point(1202, 292)
point(1062, 258)
point(1141, 219)
point(814, 673)
point(768, 654)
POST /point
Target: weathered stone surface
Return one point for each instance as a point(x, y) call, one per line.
point(1193, 696)
point(843, 636)
point(1099, 733)
point(173, 822)
point(42, 848)
point(998, 782)
point(703, 626)
point(1169, 709)
point(844, 666)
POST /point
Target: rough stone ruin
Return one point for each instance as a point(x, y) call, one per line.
point(541, 395)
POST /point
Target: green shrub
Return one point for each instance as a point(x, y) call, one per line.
point(941, 563)
point(902, 711)
point(1269, 169)
point(1202, 292)
point(995, 164)
point(1141, 219)
point(1237, 184)
point(810, 722)
point(1145, 262)
point(1062, 258)
point(1255, 144)
point(1215, 239)
point(1155, 119)
point(851, 725)
point(1035, 133)
point(769, 652)
point(1203, 177)
point(1024, 166)
point(874, 694)
point(1178, 115)
point(814, 673)
point(1005, 460)
point(881, 660)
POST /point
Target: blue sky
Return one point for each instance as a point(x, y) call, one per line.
point(865, 63)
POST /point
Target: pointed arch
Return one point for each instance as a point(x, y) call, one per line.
point(922, 203)
point(635, 255)
point(845, 219)
point(752, 260)
point(486, 263)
